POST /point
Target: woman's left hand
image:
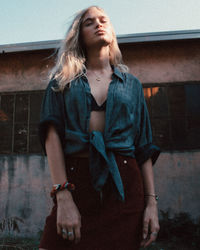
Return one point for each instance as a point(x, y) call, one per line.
point(150, 224)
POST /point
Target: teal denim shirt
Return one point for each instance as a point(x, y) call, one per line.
point(127, 125)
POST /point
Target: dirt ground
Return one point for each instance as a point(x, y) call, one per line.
point(32, 244)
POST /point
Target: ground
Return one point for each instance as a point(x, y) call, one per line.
point(32, 244)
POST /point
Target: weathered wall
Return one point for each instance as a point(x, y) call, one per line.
point(25, 185)
point(24, 192)
point(177, 182)
point(173, 61)
point(150, 62)
point(25, 70)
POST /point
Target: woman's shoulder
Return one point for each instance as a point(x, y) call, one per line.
point(52, 84)
point(132, 79)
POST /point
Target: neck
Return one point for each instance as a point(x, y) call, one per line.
point(98, 59)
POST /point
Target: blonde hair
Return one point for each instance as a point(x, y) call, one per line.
point(70, 61)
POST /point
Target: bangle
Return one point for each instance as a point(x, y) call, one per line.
point(59, 187)
point(153, 195)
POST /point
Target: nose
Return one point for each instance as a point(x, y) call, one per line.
point(98, 23)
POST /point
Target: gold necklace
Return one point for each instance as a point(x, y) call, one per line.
point(97, 77)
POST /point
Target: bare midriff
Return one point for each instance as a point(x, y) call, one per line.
point(97, 123)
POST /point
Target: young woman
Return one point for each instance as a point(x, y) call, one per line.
point(96, 132)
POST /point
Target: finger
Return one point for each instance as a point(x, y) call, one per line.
point(77, 233)
point(154, 226)
point(151, 239)
point(145, 229)
point(64, 233)
point(70, 233)
point(154, 235)
point(142, 243)
point(59, 229)
point(80, 221)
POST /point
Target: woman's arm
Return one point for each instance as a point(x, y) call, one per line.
point(150, 222)
point(68, 216)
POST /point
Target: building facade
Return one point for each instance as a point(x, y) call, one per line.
point(167, 64)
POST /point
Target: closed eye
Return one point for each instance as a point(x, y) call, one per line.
point(88, 23)
point(104, 20)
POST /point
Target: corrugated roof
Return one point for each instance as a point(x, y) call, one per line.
point(122, 39)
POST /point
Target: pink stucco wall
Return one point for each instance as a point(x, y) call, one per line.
point(24, 70)
point(164, 62)
point(150, 62)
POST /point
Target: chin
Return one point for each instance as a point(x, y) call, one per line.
point(105, 40)
point(102, 41)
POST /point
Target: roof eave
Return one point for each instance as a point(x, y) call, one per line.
point(122, 39)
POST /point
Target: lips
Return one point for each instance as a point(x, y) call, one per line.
point(99, 32)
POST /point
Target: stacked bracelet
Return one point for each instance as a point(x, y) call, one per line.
point(59, 187)
point(153, 195)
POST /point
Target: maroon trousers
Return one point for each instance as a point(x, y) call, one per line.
point(107, 223)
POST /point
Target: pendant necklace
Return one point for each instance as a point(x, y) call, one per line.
point(97, 77)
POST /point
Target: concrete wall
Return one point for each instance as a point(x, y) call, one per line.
point(24, 193)
point(177, 182)
point(25, 185)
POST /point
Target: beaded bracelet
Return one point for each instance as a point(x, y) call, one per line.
point(59, 187)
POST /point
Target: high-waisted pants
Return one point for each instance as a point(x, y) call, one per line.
point(107, 223)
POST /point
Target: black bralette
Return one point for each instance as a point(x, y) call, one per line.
point(95, 106)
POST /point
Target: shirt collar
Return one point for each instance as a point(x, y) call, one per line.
point(117, 73)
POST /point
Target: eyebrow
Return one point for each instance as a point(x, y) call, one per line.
point(92, 18)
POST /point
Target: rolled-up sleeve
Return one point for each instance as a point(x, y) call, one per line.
point(144, 148)
point(52, 112)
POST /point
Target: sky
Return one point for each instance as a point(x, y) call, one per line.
point(42, 20)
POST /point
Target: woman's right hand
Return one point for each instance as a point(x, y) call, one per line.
point(68, 217)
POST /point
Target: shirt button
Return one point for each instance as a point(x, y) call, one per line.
point(125, 161)
point(72, 168)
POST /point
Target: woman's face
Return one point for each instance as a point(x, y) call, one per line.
point(96, 29)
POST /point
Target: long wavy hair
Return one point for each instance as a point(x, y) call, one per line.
point(71, 58)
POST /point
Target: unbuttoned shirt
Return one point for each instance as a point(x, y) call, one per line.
point(127, 125)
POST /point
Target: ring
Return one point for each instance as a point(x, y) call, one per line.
point(64, 231)
point(154, 233)
point(70, 233)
